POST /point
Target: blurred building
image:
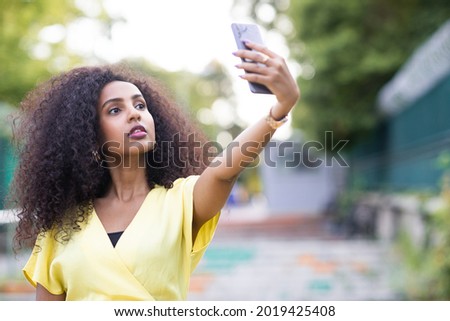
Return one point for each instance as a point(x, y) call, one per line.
point(404, 151)
point(300, 181)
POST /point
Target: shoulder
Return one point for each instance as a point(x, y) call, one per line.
point(177, 184)
point(181, 191)
point(185, 186)
point(180, 185)
point(185, 181)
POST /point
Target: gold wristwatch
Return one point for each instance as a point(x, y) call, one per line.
point(275, 123)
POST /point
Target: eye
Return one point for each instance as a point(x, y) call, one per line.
point(113, 111)
point(140, 106)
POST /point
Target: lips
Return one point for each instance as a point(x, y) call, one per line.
point(137, 132)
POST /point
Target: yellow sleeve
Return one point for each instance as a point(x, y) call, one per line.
point(42, 267)
point(206, 232)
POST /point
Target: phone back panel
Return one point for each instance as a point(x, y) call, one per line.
point(249, 32)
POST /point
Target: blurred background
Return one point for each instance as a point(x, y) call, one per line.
point(352, 199)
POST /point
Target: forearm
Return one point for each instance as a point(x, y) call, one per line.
point(242, 151)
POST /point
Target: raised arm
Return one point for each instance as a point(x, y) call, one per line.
point(214, 185)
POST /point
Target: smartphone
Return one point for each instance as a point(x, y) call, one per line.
point(242, 32)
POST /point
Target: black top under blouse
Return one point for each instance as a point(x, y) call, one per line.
point(114, 237)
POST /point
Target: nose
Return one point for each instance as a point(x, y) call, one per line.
point(133, 114)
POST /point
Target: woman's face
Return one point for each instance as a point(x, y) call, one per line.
point(126, 126)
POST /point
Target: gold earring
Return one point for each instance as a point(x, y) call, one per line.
point(96, 156)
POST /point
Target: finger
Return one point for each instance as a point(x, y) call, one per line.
point(252, 56)
point(252, 67)
point(261, 48)
point(257, 78)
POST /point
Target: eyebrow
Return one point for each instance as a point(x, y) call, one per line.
point(120, 99)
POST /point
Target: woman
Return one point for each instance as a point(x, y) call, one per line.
point(113, 187)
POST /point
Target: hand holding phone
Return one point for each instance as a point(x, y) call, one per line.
point(249, 32)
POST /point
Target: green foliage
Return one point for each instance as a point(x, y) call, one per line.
point(20, 24)
point(27, 57)
point(427, 265)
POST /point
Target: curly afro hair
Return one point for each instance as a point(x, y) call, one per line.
point(56, 132)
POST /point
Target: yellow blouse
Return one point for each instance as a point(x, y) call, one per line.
point(153, 259)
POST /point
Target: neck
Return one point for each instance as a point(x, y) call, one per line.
point(129, 180)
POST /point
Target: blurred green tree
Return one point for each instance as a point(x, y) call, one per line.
point(347, 50)
point(24, 57)
point(32, 48)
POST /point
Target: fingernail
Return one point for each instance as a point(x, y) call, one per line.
point(234, 53)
